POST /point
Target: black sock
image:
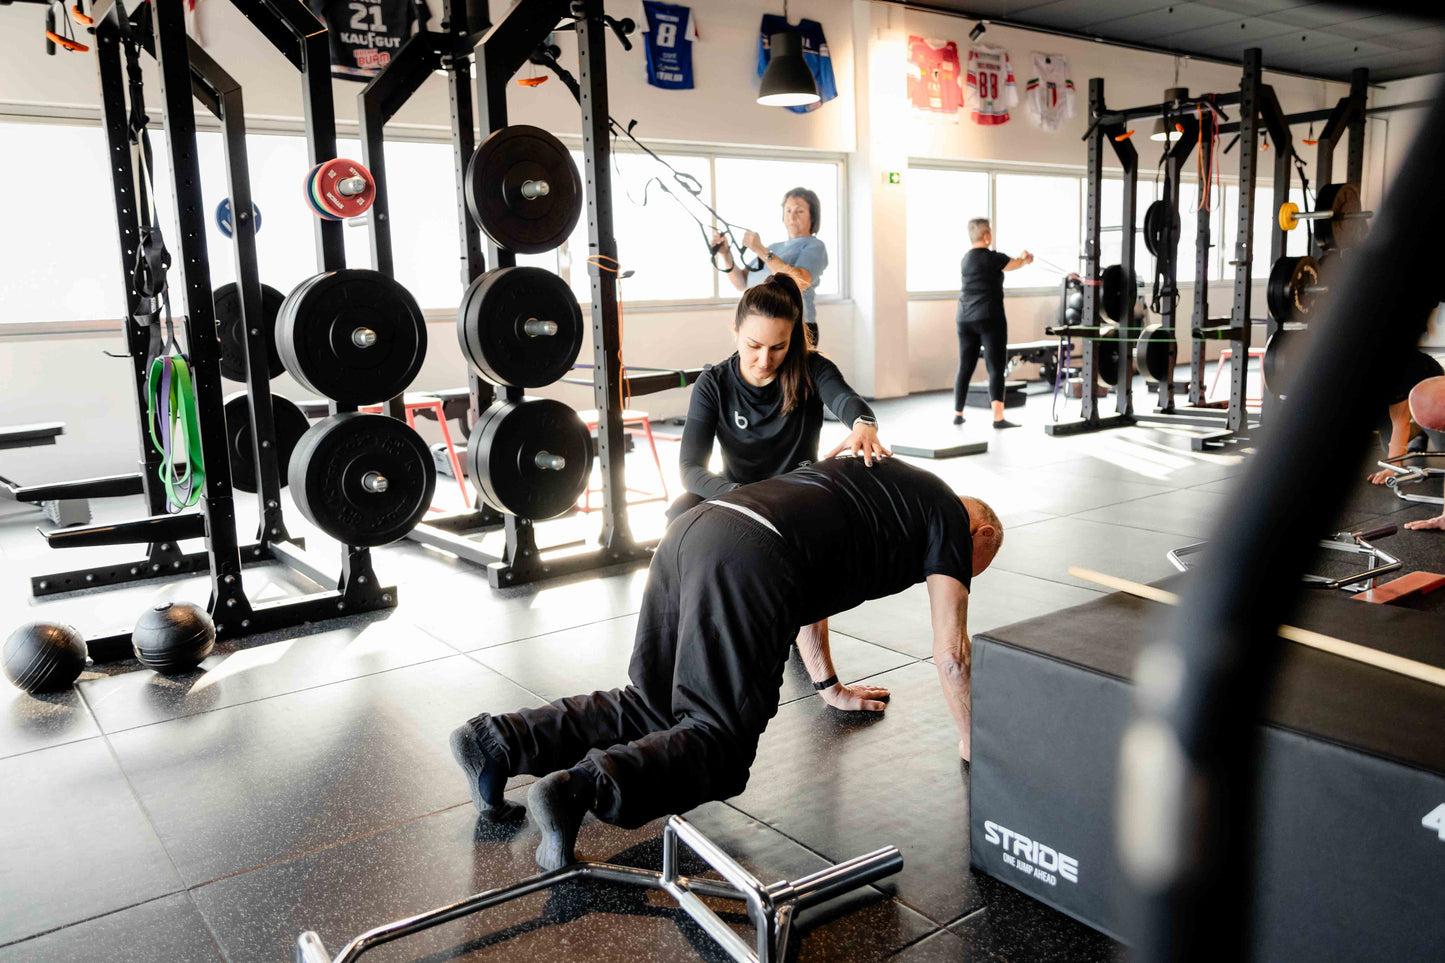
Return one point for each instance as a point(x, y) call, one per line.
point(486, 779)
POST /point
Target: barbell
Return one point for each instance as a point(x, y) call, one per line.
point(1341, 223)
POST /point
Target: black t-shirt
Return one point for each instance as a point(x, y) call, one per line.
point(365, 36)
point(861, 533)
point(1418, 367)
point(982, 294)
point(758, 440)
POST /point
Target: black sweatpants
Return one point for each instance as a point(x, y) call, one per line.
point(681, 505)
point(707, 667)
point(993, 334)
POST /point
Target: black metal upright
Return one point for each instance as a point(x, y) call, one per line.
point(1177, 151)
point(193, 261)
point(123, 178)
point(601, 266)
point(1202, 244)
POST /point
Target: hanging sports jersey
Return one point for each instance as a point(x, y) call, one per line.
point(668, 31)
point(815, 55)
point(933, 76)
point(1049, 93)
point(991, 80)
point(364, 36)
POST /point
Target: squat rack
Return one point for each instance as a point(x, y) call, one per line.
point(499, 51)
point(186, 71)
point(1259, 109)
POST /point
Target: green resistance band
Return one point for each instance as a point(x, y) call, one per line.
point(175, 398)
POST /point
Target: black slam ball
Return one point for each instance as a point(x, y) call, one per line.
point(173, 637)
point(44, 656)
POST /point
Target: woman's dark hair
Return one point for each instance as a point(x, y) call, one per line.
point(779, 297)
point(815, 207)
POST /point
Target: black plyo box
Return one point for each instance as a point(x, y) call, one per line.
point(1350, 857)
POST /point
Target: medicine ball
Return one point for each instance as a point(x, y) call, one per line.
point(173, 637)
point(44, 656)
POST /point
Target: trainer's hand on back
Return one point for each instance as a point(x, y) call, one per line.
point(856, 698)
point(862, 440)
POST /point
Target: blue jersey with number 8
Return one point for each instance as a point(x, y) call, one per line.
point(668, 32)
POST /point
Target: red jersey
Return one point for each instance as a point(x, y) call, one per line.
point(933, 76)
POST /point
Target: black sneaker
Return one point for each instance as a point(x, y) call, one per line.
point(958, 419)
point(1002, 423)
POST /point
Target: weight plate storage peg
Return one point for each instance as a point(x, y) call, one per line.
point(223, 218)
point(1113, 281)
point(353, 335)
point(1293, 284)
point(341, 188)
point(365, 480)
point(290, 424)
point(530, 458)
point(1159, 218)
point(1155, 353)
point(1347, 225)
point(520, 326)
point(1281, 357)
point(232, 332)
point(523, 190)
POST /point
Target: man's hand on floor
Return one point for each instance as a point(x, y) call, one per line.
point(1438, 522)
point(856, 698)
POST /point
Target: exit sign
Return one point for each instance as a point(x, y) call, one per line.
point(893, 177)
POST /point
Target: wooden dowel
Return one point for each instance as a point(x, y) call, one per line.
point(1315, 640)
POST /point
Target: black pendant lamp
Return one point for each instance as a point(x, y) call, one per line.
point(787, 81)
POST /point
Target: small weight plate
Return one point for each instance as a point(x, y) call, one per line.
point(290, 425)
point(1287, 293)
point(233, 333)
point(492, 326)
point(325, 182)
point(1154, 225)
point(308, 190)
point(354, 335)
point(509, 457)
point(1155, 353)
point(1112, 285)
point(498, 176)
point(1107, 360)
point(223, 218)
point(1280, 354)
point(1338, 231)
point(363, 479)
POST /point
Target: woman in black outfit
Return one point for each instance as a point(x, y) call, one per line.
point(764, 406)
point(981, 319)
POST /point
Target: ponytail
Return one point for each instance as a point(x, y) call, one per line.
point(779, 297)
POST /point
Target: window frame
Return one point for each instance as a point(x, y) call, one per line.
point(437, 134)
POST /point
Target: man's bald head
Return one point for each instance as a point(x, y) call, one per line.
point(986, 529)
point(1427, 404)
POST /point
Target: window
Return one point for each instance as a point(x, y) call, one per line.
point(750, 194)
point(940, 205)
point(1296, 241)
point(1111, 239)
point(62, 265)
point(1038, 213)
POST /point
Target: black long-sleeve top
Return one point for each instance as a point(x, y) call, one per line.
point(758, 440)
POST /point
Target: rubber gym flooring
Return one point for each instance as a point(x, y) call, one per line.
point(306, 783)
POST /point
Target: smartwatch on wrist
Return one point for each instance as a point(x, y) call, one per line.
point(865, 420)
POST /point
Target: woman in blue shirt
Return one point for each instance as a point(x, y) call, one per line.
point(801, 257)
